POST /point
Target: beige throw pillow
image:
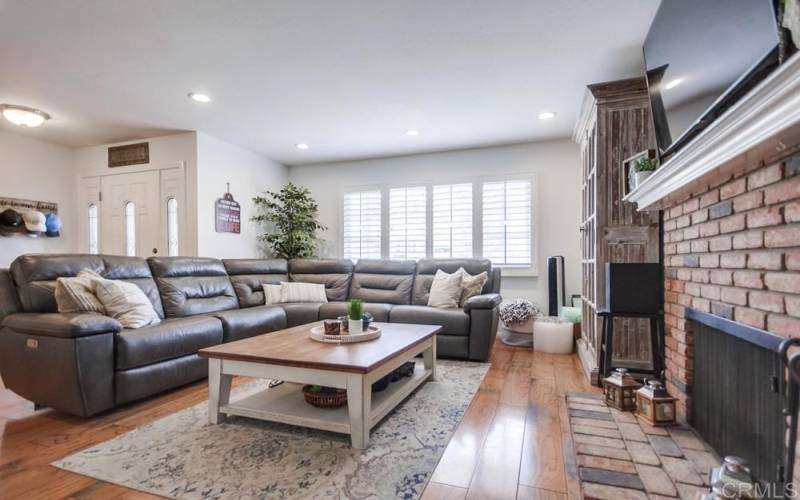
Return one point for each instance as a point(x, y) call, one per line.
point(471, 285)
point(272, 294)
point(303, 292)
point(445, 290)
point(78, 294)
point(126, 303)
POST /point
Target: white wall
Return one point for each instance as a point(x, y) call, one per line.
point(555, 163)
point(41, 171)
point(249, 174)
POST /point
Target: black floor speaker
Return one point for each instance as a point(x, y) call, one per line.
point(556, 294)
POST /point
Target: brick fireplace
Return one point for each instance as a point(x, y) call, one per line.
point(732, 249)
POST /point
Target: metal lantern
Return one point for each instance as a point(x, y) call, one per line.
point(732, 480)
point(619, 390)
point(654, 404)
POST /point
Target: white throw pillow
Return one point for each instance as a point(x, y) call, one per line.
point(78, 294)
point(272, 294)
point(445, 290)
point(303, 292)
point(471, 285)
point(126, 303)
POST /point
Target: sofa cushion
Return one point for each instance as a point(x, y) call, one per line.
point(335, 274)
point(172, 338)
point(240, 324)
point(385, 281)
point(333, 310)
point(35, 277)
point(248, 276)
point(301, 313)
point(426, 269)
point(134, 270)
point(192, 285)
point(452, 321)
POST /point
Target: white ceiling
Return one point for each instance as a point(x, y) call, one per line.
point(347, 77)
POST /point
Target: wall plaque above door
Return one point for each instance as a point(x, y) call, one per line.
point(129, 154)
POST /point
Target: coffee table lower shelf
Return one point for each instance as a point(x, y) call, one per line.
point(286, 404)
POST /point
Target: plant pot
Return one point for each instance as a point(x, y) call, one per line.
point(642, 176)
point(524, 327)
point(355, 326)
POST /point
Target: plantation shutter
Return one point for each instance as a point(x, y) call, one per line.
point(452, 220)
point(407, 223)
point(507, 222)
point(362, 225)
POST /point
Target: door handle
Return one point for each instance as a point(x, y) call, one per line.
point(155, 251)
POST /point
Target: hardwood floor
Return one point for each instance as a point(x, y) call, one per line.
point(514, 441)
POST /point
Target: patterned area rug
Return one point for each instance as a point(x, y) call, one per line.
point(182, 456)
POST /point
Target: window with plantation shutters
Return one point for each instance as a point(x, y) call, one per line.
point(452, 220)
point(507, 222)
point(407, 223)
point(362, 225)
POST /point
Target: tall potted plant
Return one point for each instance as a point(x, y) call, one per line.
point(291, 215)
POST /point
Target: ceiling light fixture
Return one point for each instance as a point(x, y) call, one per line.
point(412, 132)
point(673, 83)
point(546, 115)
point(23, 115)
point(302, 146)
point(197, 96)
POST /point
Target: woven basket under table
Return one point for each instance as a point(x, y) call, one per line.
point(325, 399)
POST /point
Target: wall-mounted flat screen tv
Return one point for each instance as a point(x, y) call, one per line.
point(700, 57)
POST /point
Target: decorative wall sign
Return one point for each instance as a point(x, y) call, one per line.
point(227, 214)
point(21, 205)
point(129, 154)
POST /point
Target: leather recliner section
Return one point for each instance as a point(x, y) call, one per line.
point(169, 339)
point(192, 285)
point(238, 324)
point(249, 275)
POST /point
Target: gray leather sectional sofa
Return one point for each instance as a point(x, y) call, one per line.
point(84, 364)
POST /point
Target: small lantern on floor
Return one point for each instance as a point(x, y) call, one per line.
point(654, 404)
point(619, 389)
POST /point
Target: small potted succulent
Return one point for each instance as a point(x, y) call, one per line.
point(355, 317)
point(643, 167)
point(517, 315)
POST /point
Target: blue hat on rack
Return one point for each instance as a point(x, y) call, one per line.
point(53, 224)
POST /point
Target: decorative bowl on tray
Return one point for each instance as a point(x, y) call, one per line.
point(318, 333)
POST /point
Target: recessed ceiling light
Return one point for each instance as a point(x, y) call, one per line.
point(197, 96)
point(673, 83)
point(412, 132)
point(546, 115)
point(302, 146)
point(23, 115)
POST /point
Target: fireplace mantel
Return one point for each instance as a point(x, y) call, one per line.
point(765, 117)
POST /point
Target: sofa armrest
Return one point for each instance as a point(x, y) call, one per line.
point(69, 325)
point(485, 301)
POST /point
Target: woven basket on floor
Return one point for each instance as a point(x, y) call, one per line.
point(325, 399)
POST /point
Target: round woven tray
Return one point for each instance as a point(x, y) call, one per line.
point(325, 399)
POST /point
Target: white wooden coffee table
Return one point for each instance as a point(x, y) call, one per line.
point(290, 355)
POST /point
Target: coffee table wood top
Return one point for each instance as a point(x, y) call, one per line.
point(294, 347)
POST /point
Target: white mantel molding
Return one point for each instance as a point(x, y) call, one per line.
point(770, 108)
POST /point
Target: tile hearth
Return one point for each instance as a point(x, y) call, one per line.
point(620, 457)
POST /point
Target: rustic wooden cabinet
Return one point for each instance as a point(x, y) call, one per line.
point(614, 124)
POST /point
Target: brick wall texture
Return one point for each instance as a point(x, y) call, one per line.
point(732, 250)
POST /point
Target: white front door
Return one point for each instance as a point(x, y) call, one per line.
point(130, 220)
point(138, 213)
